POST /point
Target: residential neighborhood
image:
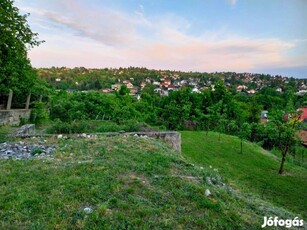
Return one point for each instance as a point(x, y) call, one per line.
point(108, 80)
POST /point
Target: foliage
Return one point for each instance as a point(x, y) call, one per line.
point(285, 126)
point(217, 110)
point(92, 126)
point(39, 114)
point(16, 38)
point(36, 152)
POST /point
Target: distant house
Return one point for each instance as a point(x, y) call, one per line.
point(301, 92)
point(303, 116)
point(204, 88)
point(183, 82)
point(129, 85)
point(195, 90)
point(171, 87)
point(302, 134)
point(115, 87)
point(164, 85)
point(148, 80)
point(106, 90)
point(279, 90)
point(264, 116)
point(252, 91)
point(168, 82)
point(176, 83)
point(161, 91)
point(143, 84)
point(158, 90)
point(133, 91)
point(241, 87)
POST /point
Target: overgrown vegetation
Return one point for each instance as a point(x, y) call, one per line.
point(91, 126)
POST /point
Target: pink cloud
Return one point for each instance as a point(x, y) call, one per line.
point(109, 38)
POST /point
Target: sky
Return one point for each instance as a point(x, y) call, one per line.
point(258, 36)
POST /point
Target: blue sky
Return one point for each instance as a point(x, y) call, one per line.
point(257, 36)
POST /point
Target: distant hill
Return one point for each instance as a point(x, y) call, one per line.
point(81, 79)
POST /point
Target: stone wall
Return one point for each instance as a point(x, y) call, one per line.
point(12, 117)
point(25, 130)
point(172, 138)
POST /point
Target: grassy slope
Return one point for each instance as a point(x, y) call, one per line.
point(129, 182)
point(253, 171)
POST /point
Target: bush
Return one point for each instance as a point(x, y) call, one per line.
point(39, 113)
point(108, 126)
point(59, 127)
point(36, 151)
point(92, 126)
point(131, 126)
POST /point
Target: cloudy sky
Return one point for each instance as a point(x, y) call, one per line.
point(257, 36)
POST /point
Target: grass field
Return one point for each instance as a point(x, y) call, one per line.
point(254, 171)
point(4, 131)
point(127, 183)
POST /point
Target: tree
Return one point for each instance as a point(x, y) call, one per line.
point(123, 90)
point(286, 126)
point(16, 38)
point(244, 133)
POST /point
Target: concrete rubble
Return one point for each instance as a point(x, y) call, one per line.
point(22, 150)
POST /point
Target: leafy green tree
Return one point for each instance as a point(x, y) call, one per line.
point(244, 133)
point(16, 38)
point(123, 90)
point(254, 111)
point(286, 126)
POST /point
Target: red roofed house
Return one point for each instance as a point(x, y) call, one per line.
point(303, 133)
point(304, 114)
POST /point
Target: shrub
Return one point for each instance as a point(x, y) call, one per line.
point(39, 113)
point(36, 151)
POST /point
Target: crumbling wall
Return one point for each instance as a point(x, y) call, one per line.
point(25, 130)
point(12, 117)
point(172, 138)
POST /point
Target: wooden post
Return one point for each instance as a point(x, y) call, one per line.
point(28, 101)
point(9, 100)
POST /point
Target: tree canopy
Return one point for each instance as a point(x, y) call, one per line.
point(16, 38)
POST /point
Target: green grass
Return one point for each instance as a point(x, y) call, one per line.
point(91, 126)
point(128, 182)
point(4, 131)
point(254, 171)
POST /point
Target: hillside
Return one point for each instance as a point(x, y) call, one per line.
point(254, 171)
point(123, 182)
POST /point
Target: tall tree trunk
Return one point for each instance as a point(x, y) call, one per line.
point(281, 169)
point(283, 159)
